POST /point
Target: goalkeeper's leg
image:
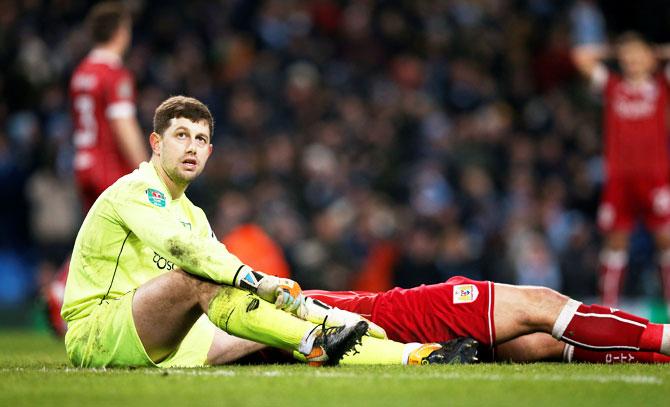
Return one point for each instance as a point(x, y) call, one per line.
point(165, 308)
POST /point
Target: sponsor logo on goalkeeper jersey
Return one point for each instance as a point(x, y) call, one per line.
point(465, 293)
point(162, 263)
point(156, 197)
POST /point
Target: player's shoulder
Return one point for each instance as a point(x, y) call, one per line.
point(120, 191)
point(603, 77)
point(90, 75)
point(120, 72)
point(142, 181)
point(85, 77)
point(91, 67)
point(103, 65)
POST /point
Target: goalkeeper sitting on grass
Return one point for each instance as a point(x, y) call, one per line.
point(146, 270)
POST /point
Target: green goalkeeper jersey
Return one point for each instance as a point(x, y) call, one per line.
point(134, 232)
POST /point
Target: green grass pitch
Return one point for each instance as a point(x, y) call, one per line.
point(34, 372)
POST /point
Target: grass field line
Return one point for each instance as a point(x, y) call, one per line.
point(332, 373)
point(636, 379)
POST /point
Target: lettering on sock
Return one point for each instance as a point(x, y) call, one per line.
point(619, 358)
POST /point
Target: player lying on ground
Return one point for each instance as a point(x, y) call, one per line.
point(521, 323)
point(146, 268)
point(514, 322)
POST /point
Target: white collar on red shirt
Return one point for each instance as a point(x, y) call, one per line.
point(646, 85)
point(103, 56)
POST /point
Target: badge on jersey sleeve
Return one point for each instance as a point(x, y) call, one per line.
point(465, 293)
point(156, 197)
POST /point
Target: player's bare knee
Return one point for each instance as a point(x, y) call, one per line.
point(192, 285)
point(542, 305)
point(183, 280)
point(551, 296)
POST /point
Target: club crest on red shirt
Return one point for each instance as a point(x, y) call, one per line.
point(465, 293)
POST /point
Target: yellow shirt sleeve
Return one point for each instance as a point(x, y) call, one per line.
point(146, 212)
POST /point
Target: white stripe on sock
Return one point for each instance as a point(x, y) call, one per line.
point(568, 351)
point(615, 259)
point(600, 348)
point(665, 340)
point(564, 318)
point(618, 318)
point(490, 316)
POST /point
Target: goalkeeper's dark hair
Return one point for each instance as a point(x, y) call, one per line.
point(104, 20)
point(181, 106)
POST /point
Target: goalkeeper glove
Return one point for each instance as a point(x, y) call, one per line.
point(285, 293)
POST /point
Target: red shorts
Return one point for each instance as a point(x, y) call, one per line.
point(629, 198)
point(428, 313)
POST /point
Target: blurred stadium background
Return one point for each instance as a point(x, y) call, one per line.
point(379, 142)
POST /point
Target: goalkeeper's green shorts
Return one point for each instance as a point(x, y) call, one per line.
point(108, 338)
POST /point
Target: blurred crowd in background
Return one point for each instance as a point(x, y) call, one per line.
point(379, 143)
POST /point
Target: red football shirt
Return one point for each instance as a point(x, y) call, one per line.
point(100, 89)
point(635, 127)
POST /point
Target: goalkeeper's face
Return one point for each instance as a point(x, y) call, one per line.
point(183, 149)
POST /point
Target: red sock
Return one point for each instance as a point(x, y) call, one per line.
point(665, 276)
point(574, 354)
point(611, 280)
point(601, 328)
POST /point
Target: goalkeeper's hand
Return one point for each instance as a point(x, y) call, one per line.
point(317, 312)
point(285, 293)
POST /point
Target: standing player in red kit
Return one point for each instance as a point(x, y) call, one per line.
point(636, 155)
point(107, 136)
